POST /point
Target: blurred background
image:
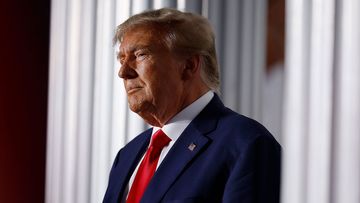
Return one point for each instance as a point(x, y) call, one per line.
point(293, 65)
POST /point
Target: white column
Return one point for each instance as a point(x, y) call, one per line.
point(320, 100)
point(246, 64)
point(70, 101)
point(138, 6)
point(194, 6)
point(83, 134)
point(55, 101)
point(70, 90)
point(321, 157)
point(164, 3)
point(346, 186)
point(103, 98)
point(215, 14)
point(295, 130)
point(232, 38)
point(258, 57)
point(241, 28)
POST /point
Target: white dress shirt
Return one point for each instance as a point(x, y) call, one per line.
point(175, 127)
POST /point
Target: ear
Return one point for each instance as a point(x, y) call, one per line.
point(192, 67)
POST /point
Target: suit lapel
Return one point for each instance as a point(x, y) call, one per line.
point(191, 143)
point(130, 156)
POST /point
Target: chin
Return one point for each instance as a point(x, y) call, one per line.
point(138, 103)
point(137, 106)
point(134, 108)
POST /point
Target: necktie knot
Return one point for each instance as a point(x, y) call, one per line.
point(159, 139)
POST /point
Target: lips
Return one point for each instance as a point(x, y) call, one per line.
point(132, 88)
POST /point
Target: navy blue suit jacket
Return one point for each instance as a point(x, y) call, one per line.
point(235, 160)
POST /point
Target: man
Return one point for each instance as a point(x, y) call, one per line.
point(198, 150)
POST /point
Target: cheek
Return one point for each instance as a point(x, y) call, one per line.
point(160, 77)
point(146, 69)
point(150, 81)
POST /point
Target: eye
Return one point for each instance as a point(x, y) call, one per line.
point(140, 55)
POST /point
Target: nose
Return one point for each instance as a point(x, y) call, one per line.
point(127, 71)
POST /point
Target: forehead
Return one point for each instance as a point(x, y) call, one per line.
point(144, 36)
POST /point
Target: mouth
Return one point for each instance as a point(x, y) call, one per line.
point(133, 90)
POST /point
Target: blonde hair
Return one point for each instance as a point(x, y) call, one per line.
point(186, 32)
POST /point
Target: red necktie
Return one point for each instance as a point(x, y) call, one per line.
point(148, 166)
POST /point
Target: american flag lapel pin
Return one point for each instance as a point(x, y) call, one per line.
point(192, 146)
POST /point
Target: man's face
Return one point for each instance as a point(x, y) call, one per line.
point(152, 74)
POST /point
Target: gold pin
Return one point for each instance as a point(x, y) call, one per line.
point(192, 146)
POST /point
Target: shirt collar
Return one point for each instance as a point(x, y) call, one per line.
point(175, 126)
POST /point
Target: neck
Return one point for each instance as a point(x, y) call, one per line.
point(160, 118)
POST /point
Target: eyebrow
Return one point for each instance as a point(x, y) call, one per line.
point(133, 49)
